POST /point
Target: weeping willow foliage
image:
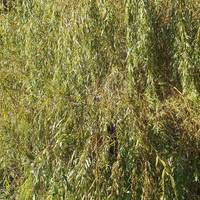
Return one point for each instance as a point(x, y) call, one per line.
point(182, 46)
point(140, 43)
point(100, 100)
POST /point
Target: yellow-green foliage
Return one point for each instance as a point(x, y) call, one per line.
point(100, 99)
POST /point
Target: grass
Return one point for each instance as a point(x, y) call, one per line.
point(100, 100)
